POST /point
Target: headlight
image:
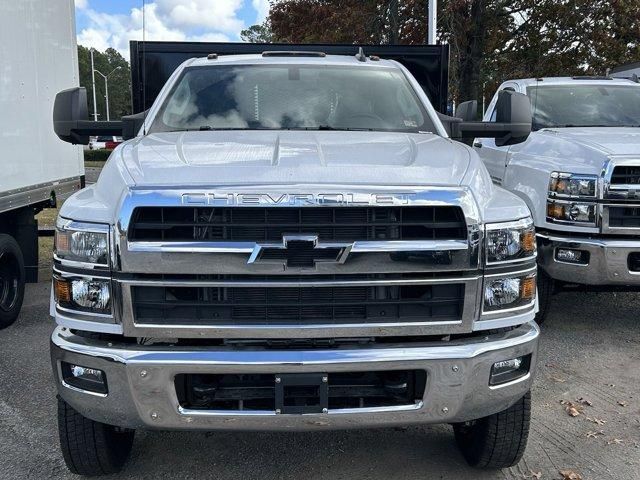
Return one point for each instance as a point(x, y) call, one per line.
point(509, 292)
point(83, 294)
point(573, 212)
point(570, 185)
point(510, 242)
point(82, 242)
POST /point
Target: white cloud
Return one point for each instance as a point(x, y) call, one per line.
point(170, 20)
point(81, 4)
point(262, 7)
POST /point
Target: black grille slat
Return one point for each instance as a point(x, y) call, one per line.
point(304, 305)
point(625, 217)
point(270, 224)
point(626, 175)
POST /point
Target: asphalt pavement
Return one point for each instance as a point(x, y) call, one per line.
point(590, 356)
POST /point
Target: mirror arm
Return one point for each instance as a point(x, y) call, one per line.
point(483, 129)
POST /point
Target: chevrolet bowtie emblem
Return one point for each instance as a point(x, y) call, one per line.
point(302, 251)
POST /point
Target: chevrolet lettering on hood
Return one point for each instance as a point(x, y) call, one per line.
point(295, 199)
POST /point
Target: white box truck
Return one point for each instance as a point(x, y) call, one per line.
point(38, 58)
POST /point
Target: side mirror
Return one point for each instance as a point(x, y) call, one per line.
point(513, 109)
point(70, 107)
point(71, 118)
point(467, 111)
point(512, 125)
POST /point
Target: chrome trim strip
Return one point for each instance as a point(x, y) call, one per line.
point(82, 313)
point(249, 247)
point(64, 274)
point(22, 197)
point(517, 273)
point(289, 283)
point(76, 264)
point(88, 326)
point(336, 411)
point(512, 382)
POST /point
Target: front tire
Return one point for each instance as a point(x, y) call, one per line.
point(12, 280)
point(91, 448)
point(496, 441)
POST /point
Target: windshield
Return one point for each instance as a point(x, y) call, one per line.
point(303, 97)
point(585, 105)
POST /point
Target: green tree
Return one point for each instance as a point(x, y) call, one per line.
point(119, 81)
point(260, 33)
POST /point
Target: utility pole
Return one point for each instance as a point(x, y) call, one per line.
point(432, 20)
point(93, 81)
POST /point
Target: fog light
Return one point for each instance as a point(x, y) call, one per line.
point(84, 378)
point(508, 370)
point(572, 256)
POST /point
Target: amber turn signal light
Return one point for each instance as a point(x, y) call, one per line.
point(62, 290)
point(528, 288)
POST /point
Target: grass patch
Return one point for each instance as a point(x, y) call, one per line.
point(93, 164)
point(47, 217)
point(96, 155)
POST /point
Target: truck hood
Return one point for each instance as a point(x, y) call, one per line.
point(215, 158)
point(608, 140)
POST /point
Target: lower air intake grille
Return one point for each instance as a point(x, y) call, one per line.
point(259, 392)
point(210, 306)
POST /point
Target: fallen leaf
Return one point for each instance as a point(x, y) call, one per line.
point(557, 379)
point(615, 441)
point(584, 401)
point(622, 403)
point(570, 475)
point(536, 475)
point(597, 421)
point(592, 434)
point(571, 408)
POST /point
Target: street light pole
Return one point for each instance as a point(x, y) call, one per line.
point(93, 81)
point(432, 20)
point(106, 87)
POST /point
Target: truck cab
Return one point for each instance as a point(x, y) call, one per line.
point(292, 241)
point(579, 173)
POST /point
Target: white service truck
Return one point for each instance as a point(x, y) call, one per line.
point(39, 58)
point(579, 173)
point(293, 240)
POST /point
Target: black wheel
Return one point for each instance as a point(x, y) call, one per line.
point(545, 289)
point(496, 441)
point(12, 278)
point(91, 448)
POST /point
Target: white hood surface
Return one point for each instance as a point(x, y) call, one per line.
point(608, 140)
point(218, 158)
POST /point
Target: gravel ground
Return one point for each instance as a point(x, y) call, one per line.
point(589, 350)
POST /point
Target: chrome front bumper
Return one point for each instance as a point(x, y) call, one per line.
point(142, 392)
point(607, 260)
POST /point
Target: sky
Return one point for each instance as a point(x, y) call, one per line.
point(112, 23)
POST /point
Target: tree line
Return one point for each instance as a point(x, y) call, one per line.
point(490, 40)
point(119, 82)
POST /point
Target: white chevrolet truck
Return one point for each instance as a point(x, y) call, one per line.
point(579, 172)
point(286, 241)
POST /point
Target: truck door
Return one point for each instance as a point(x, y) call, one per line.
point(493, 156)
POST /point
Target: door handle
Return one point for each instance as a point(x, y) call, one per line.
point(477, 144)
